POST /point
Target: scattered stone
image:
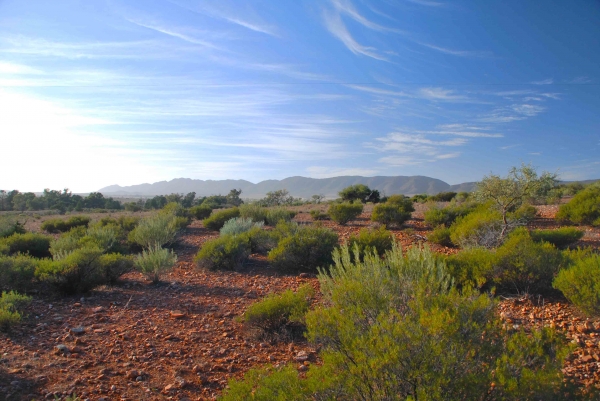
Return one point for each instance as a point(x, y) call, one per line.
point(77, 330)
point(62, 349)
point(301, 356)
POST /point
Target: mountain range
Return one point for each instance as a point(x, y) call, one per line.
point(300, 187)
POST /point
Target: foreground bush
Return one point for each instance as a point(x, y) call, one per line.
point(238, 225)
point(584, 208)
point(61, 225)
point(279, 315)
point(218, 219)
point(580, 284)
point(305, 250)
point(440, 236)
point(36, 245)
point(17, 272)
point(254, 212)
point(155, 231)
point(155, 261)
point(472, 267)
point(561, 237)
point(260, 240)
point(394, 212)
point(342, 213)
point(201, 212)
point(369, 241)
point(10, 305)
point(277, 214)
point(481, 228)
point(223, 253)
point(395, 329)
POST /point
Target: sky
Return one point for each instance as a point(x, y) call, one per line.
point(102, 92)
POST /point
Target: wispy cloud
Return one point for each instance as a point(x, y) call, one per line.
point(347, 8)
point(326, 172)
point(173, 32)
point(580, 80)
point(18, 69)
point(459, 53)
point(548, 81)
point(427, 3)
point(440, 94)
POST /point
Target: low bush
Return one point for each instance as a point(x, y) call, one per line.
point(17, 272)
point(584, 208)
point(305, 250)
point(36, 245)
point(238, 225)
point(277, 214)
point(114, 265)
point(393, 213)
point(524, 214)
point(10, 305)
point(77, 272)
point(436, 215)
point(342, 213)
point(524, 265)
point(216, 220)
point(223, 253)
point(319, 215)
point(126, 223)
point(155, 261)
point(481, 228)
point(580, 284)
point(106, 238)
point(260, 240)
point(254, 212)
point(201, 212)
point(471, 267)
point(155, 231)
point(441, 236)
point(442, 197)
point(370, 240)
point(561, 237)
point(61, 225)
point(279, 315)
point(10, 225)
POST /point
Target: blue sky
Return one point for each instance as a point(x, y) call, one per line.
point(100, 92)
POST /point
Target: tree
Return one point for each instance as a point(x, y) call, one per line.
point(233, 198)
point(359, 192)
point(277, 198)
point(318, 198)
point(508, 194)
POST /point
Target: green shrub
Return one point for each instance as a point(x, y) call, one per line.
point(481, 228)
point(223, 253)
point(126, 223)
point(114, 265)
point(10, 225)
point(279, 315)
point(253, 211)
point(306, 250)
point(106, 238)
point(442, 197)
point(524, 265)
point(67, 242)
point(369, 240)
point(36, 245)
point(580, 284)
point(201, 212)
point(436, 216)
point(319, 215)
point(524, 214)
point(277, 214)
point(342, 213)
point(285, 229)
point(471, 267)
point(218, 219)
point(399, 200)
point(238, 225)
point(441, 236)
point(17, 272)
point(392, 214)
point(10, 305)
point(260, 240)
point(61, 225)
point(155, 261)
point(76, 272)
point(584, 208)
point(560, 237)
point(155, 231)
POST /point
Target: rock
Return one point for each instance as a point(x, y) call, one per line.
point(586, 358)
point(62, 349)
point(77, 331)
point(168, 388)
point(302, 368)
point(301, 356)
point(132, 374)
point(177, 314)
point(97, 309)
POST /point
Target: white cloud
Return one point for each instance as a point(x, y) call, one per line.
point(528, 110)
point(326, 172)
point(18, 69)
point(346, 7)
point(440, 94)
point(548, 81)
point(459, 53)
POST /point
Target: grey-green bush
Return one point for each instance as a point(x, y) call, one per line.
point(580, 284)
point(61, 225)
point(253, 211)
point(216, 220)
point(391, 214)
point(155, 261)
point(342, 213)
point(372, 240)
point(201, 212)
point(239, 225)
point(277, 214)
point(155, 231)
point(223, 253)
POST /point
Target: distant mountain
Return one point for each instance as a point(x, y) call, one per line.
point(300, 187)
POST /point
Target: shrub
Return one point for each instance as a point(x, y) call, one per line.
point(223, 253)
point(238, 225)
point(306, 250)
point(436, 216)
point(155, 261)
point(253, 211)
point(36, 245)
point(584, 208)
point(277, 214)
point(441, 236)
point(279, 315)
point(260, 240)
point(114, 265)
point(342, 213)
point(126, 223)
point(10, 305)
point(201, 212)
point(523, 214)
point(443, 197)
point(218, 219)
point(560, 237)
point(580, 284)
point(61, 225)
point(17, 272)
point(369, 241)
point(79, 271)
point(471, 267)
point(155, 231)
point(9, 225)
point(525, 265)
point(106, 238)
point(394, 213)
point(318, 215)
point(481, 228)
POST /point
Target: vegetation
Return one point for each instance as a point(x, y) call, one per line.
point(394, 212)
point(262, 241)
point(224, 253)
point(254, 211)
point(561, 237)
point(472, 267)
point(33, 244)
point(217, 219)
point(305, 250)
point(238, 225)
point(200, 212)
point(10, 305)
point(342, 213)
point(481, 228)
point(61, 201)
point(279, 315)
point(318, 215)
point(61, 225)
point(280, 197)
point(10, 225)
point(17, 272)
point(359, 192)
point(277, 214)
point(580, 283)
point(441, 236)
point(369, 240)
point(155, 261)
point(155, 231)
point(436, 215)
point(584, 208)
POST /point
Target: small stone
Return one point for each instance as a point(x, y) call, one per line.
point(132, 374)
point(97, 309)
point(301, 356)
point(302, 368)
point(586, 358)
point(77, 305)
point(169, 387)
point(139, 379)
point(77, 330)
point(62, 349)
point(177, 314)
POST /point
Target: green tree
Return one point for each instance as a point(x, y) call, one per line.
point(233, 197)
point(359, 192)
point(509, 193)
